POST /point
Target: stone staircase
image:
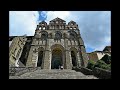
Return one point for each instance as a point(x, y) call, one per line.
point(53, 74)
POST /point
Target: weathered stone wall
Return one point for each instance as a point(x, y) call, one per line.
point(84, 70)
point(93, 56)
point(101, 73)
point(16, 48)
point(16, 71)
point(98, 72)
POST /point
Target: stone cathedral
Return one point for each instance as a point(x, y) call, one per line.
point(53, 45)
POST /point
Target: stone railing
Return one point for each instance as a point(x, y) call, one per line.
point(102, 73)
point(16, 71)
point(98, 72)
point(84, 70)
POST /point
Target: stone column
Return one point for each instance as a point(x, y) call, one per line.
point(47, 60)
point(47, 57)
point(34, 59)
point(50, 58)
point(29, 59)
point(84, 55)
point(68, 60)
point(78, 59)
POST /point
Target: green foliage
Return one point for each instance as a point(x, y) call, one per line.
point(102, 64)
point(106, 58)
point(109, 67)
point(91, 64)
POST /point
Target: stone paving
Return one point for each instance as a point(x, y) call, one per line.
point(53, 74)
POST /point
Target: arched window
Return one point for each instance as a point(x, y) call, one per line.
point(72, 36)
point(58, 35)
point(43, 36)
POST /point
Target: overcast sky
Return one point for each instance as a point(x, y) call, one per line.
point(95, 26)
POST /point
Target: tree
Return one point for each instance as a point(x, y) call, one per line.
point(91, 64)
point(106, 58)
point(102, 64)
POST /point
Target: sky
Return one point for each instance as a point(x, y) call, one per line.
point(94, 26)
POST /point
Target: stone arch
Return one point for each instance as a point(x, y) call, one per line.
point(57, 53)
point(41, 55)
point(72, 34)
point(44, 35)
point(57, 46)
point(73, 56)
point(71, 23)
point(58, 35)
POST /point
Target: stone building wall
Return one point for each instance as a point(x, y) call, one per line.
point(15, 49)
point(66, 44)
point(93, 56)
point(53, 37)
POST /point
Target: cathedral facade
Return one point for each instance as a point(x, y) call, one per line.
point(53, 45)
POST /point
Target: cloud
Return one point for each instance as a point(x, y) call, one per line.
point(95, 29)
point(53, 14)
point(22, 22)
point(95, 26)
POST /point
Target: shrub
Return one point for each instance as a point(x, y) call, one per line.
point(106, 58)
point(103, 65)
point(91, 64)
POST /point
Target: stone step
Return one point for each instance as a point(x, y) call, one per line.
point(53, 74)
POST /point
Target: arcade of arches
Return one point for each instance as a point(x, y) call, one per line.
point(58, 58)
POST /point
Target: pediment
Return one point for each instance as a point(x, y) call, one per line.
point(58, 19)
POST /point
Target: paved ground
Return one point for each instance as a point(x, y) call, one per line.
point(53, 74)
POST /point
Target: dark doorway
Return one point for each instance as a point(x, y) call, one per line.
point(56, 59)
point(74, 63)
point(40, 59)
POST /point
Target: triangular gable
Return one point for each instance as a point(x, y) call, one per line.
point(57, 19)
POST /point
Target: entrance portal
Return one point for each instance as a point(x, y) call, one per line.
point(40, 58)
point(56, 59)
point(74, 63)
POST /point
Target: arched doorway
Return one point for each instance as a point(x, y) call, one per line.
point(40, 59)
point(56, 58)
point(73, 57)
